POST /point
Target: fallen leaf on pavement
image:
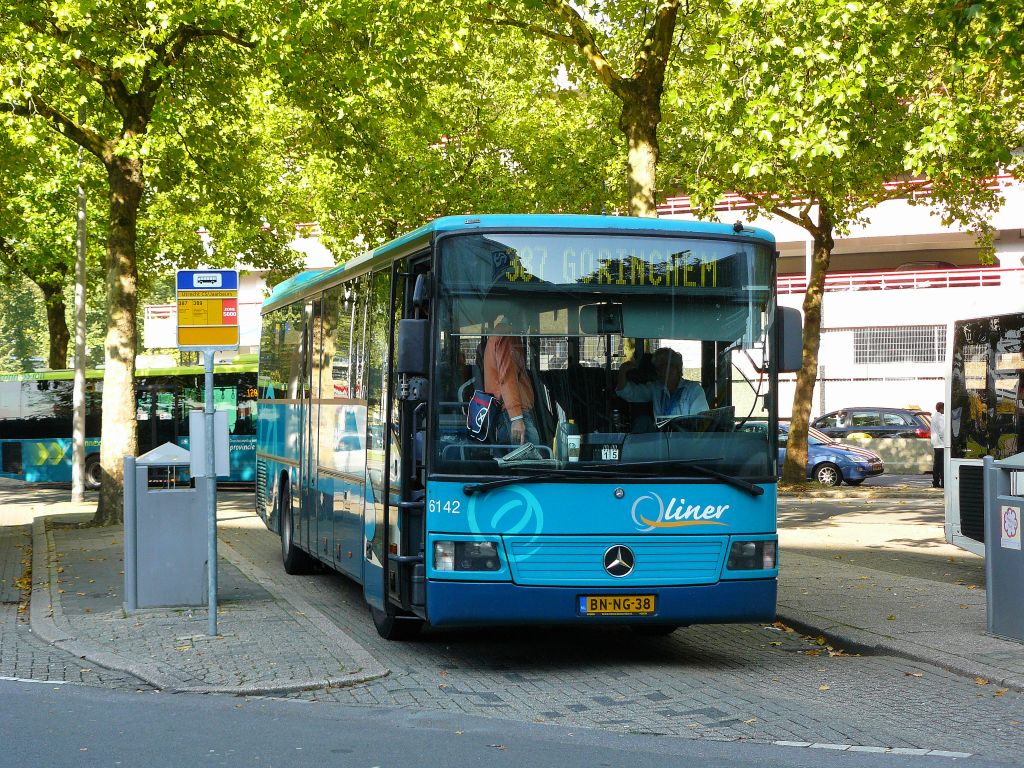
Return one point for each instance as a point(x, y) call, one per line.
point(822, 687)
point(981, 681)
point(914, 674)
point(891, 617)
point(1000, 691)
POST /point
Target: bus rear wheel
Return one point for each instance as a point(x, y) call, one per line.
point(93, 472)
point(295, 560)
point(391, 626)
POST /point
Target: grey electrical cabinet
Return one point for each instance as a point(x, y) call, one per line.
point(1004, 560)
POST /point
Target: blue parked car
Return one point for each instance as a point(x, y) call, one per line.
point(828, 462)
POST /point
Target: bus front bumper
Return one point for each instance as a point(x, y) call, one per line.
point(462, 603)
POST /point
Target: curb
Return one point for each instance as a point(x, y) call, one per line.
point(861, 641)
point(49, 624)
point(859, 495)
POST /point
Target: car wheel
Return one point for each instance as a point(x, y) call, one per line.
point(828, 474)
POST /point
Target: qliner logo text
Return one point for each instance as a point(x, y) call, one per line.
point(650, 512)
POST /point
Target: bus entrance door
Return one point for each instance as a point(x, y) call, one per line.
point(407, 577)
point(308, 527)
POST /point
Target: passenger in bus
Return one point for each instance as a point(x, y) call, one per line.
point(506, 378)
point(669, 393)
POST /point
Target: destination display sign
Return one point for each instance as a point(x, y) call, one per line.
point(653, 263)
point(207, 309)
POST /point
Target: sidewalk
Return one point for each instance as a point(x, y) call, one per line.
point(273, 640)
point(862, 609)
point(873, 573)
point(270, 640)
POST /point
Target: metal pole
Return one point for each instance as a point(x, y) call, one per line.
point(78, 395)
point(131, 557)
point(211, 500)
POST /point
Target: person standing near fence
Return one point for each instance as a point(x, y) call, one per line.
point(938, 446)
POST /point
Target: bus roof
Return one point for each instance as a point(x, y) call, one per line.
point(300, 284)
point(68, 374)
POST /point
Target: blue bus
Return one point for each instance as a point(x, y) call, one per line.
point(607, 510)
point(36, 418)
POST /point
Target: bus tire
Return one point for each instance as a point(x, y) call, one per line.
point(653, 630)
point(295, 561)
point(390, 626)
point(828, 473)
point(93, 474)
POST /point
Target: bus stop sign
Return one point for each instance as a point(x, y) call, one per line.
point(207, 309)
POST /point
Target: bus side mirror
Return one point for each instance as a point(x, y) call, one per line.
point(421, 293)
point(413, 348)
point(790, 339)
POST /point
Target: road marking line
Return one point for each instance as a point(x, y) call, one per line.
point(29, 680)
point(877, 750)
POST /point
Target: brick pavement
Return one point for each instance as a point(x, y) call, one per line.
point(732, 682)
point(264, 644)
point(22, 654)
point(742, 682)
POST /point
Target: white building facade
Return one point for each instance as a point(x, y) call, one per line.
point(893, 287)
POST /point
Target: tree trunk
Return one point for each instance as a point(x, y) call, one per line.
point(639, 122)
point(56, 324)
point(119, 429)
point(795, 468)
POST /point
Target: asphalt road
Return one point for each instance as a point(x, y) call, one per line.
point(47, 725)
point(709, 689)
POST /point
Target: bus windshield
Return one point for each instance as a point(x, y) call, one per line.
point(627, 353)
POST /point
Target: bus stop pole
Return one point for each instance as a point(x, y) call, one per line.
point(211, 499)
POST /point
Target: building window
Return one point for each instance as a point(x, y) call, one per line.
point(900, 344)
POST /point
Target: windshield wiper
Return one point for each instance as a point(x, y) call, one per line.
point(695, 465)
point(544, 477)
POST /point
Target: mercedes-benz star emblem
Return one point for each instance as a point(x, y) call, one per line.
point(619, 560)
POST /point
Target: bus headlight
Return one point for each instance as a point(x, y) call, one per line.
point(752, 556)
point(466, 556)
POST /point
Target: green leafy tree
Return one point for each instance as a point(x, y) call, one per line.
point(414, 116)
point(825, 109)
point(149, 72)
point(37, 221)
point(633, 49)
point(23, 320)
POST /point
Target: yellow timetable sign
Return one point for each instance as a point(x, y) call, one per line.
point(209, 336)
point(207, 312)
point(207, 309)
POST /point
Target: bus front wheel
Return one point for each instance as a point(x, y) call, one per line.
point(653, 630)
point(93, 472)
point(390, 626)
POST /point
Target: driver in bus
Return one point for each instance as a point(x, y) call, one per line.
point(506, 378)
point(669, 394)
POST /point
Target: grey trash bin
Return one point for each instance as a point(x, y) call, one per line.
point(1004, 559)
point(165, 547)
